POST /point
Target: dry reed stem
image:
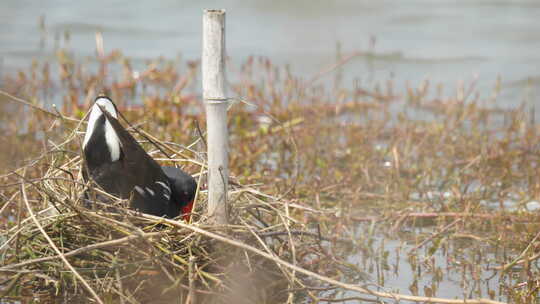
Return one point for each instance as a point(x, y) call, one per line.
point(83, 249)
point(319, 277)
point(36, 222)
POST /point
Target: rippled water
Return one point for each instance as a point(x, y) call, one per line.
point(445, 41)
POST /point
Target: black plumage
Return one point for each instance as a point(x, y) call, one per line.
point(119, 165)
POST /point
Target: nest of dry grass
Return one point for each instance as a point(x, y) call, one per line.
point(59, 249)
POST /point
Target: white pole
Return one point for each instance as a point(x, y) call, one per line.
point(213, 76)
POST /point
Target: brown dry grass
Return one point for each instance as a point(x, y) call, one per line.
point(317, 175)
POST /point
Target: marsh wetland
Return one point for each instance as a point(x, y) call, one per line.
point(391, 190)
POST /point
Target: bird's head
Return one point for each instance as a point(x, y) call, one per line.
point(190, 188)
point(184, 188)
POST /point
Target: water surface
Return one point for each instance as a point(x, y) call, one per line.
point(447, 42)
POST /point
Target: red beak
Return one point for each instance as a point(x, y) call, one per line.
point(186, 211)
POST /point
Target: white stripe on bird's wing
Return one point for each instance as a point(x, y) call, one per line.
point(149, 191)
point(167, 188)
point(140, 190)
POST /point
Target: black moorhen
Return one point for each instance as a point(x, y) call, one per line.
point(119, 165)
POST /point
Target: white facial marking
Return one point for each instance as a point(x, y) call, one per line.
point(167, 196)
point(112, 140)
point(140, 190)
point(149, 191)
